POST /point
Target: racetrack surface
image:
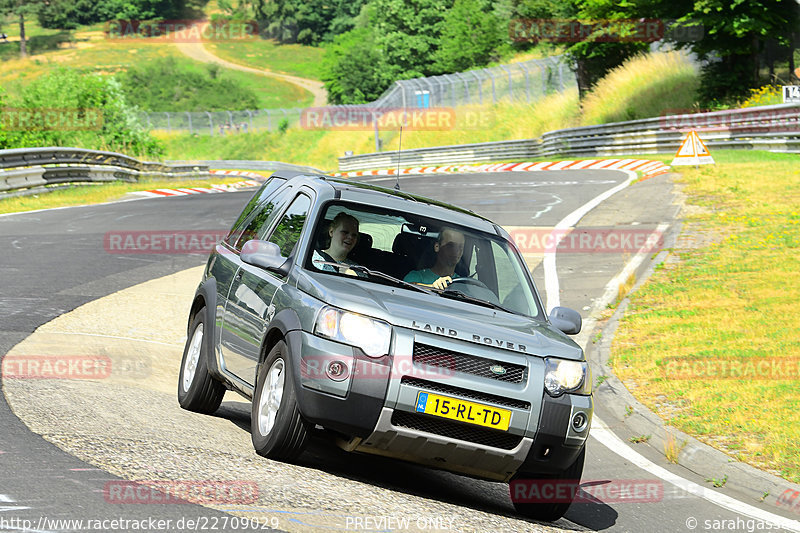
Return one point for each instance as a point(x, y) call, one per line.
point(132, 427)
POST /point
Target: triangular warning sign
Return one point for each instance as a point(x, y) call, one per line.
point(692, 152)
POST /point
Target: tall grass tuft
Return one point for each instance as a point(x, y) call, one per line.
point(644, 86)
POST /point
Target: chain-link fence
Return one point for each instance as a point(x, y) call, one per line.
point(515, 82)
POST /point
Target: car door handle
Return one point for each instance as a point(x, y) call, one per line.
point(238, 275)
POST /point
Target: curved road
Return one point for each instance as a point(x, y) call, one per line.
point(57, 261)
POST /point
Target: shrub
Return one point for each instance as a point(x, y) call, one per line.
point(67, 107)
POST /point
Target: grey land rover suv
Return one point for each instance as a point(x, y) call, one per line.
point(472, 377)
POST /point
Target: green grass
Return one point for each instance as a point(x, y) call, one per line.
point(294, 59)
point(728, 292)
point(644, 86)
point(98, 193)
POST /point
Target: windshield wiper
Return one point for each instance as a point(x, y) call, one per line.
point(377, 274)
point(458, 295)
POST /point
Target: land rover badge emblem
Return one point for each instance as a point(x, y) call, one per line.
point(497, 370)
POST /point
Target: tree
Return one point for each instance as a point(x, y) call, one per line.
point(68, 14)
point(20, 10)
point(611, 44)
point(409, 32)
point(354, 70)
point(471, 34)
point(734, 38)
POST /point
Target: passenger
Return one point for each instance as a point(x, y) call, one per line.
point(343, 233)
point(449, 248)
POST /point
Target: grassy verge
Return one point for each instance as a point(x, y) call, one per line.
point(98, 193)
point(294, 59)
point(725, 302)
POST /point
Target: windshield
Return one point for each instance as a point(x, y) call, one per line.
point(374, 244)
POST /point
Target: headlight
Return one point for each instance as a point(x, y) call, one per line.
point(372, 336)
point(562, 376)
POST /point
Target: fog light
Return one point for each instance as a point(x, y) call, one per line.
point(580, 421)
point(337, 370)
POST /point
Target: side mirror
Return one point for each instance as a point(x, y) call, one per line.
point(264, 254)
point(566, 319)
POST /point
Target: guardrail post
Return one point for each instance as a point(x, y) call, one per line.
point(210, 123)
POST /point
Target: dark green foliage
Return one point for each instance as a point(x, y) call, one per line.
point(67, 107)
point(305, 21)
point(68, 14)
point(408, 32)
point(354, 71)
point(171, 85)
point(470, 36)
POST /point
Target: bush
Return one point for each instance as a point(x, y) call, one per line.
point(67, 107)
point(168, 84)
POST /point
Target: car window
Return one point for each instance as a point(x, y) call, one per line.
point(288, 230)
point(405, 246)
point(260, 220)
point(264, 192)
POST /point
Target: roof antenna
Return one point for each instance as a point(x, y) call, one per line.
point(399, 146)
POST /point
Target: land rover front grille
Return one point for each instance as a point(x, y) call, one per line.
point(468, 364)
point(434, 386)
point(455, 430)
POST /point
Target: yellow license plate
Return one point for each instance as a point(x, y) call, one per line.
point(463, 411)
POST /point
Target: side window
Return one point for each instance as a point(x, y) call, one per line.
point(260, 222)
point(288, 230)
point(264, 192)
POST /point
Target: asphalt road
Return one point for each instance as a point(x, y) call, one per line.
point(55, 261)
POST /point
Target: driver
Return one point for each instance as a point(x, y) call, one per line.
point(449, 248)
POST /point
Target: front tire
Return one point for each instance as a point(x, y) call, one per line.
point(565, 484)
point(277, 428)
point(197, 390)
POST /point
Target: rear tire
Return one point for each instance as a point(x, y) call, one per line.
point(197, 390)
point(276, 426)
point(567, 483)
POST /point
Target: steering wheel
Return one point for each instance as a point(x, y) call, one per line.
point(469, 281)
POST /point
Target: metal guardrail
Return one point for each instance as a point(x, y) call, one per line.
point(35, 170)
point(775, 128)
point(232, 164)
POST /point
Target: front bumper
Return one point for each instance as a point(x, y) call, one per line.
point(376, 403)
